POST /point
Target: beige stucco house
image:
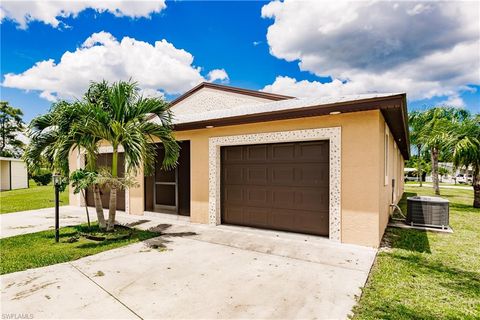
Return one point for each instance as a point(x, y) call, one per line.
point(327, 166)
point(13, 174)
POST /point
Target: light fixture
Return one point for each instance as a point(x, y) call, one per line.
point(57, 179)
point(209, 127)
point(335, 112)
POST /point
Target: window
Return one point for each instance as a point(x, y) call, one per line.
point(386, 156)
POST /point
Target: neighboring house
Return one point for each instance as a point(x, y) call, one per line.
point(327, 166)
point(13, 174)
point(455, 175)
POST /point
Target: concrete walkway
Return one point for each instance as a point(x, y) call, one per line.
point(196, 272)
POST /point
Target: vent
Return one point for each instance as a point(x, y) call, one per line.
point(428, 211)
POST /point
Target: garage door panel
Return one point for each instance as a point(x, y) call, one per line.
point(283, 152)
point(258, 196)
point(233, 214)
point(233, 154)
point(313, 151)
point(257, 216)
point(283, 175)
point(309, 175)
point(256, 153)
point(277, 186)
point(256, 175)
point(233, 174)
point(233, 194)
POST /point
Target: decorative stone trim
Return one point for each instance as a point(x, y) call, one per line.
point(332, 134)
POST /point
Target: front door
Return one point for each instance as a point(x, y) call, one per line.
point(165, 187)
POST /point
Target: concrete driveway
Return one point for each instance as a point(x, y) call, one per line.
point(198, 272)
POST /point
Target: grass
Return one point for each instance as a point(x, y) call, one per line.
point(427, 275)
point(441, 184)
point(39, 249)
point(35, 197)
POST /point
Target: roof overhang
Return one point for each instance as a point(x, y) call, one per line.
point(393, 109)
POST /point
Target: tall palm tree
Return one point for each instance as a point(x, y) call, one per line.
point(52, 137)
point(435, 134)
point(124, 118)
point(465, 143)
point(416, 121)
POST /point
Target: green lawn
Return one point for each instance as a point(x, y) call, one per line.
point(39, 249)
point(441, 184)
point(427, 275)
point(35, 197)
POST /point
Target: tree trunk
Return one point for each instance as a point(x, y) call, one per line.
point(434, 154)
point(99, 207)
point(419, 165)
point(476, 187)
point(112, 207)
point(86, 207)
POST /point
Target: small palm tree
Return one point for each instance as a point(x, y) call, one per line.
point(465, 146)
point(53, 136)
point(123, 118)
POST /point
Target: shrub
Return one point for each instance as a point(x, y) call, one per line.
point(43, 177)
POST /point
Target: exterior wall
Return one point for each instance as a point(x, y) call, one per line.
point(4, 175)
point(19, 175)
point(208, 99)
point(394, 170)
point(75, 161)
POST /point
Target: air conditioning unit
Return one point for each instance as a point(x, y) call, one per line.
point(428, 211)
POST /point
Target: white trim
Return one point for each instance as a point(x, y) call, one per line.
point(332, 134)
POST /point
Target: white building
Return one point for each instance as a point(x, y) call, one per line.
point(13, 174)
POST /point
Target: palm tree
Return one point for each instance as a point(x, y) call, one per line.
point(124, 118)
point(434, 134)
point(52, 137)
point(465, 144)
point(417, 120)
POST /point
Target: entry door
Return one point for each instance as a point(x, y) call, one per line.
point(165, 188)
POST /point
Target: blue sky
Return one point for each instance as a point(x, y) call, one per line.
point(304, 53)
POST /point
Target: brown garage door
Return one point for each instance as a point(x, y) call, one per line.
point(281, 186)
point(105, 160)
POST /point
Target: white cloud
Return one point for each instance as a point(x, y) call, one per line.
point(218, 74)
point(427, 49)
point(49, 12)
point(454, 101)
point(157, 67)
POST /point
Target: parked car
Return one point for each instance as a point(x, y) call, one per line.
point(464, 179)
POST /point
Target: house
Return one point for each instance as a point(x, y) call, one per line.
point(326, 166)
point(13, 174)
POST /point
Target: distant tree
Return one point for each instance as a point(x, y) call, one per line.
point(11, 124)
point(433, 131)
point(442, 172)
point(417, 121)
point(465, 147)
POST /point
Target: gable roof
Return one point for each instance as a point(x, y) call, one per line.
point(248, 92)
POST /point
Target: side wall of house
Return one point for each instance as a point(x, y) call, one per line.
point(4, 175)
point(391, 183)
point(19, 175)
